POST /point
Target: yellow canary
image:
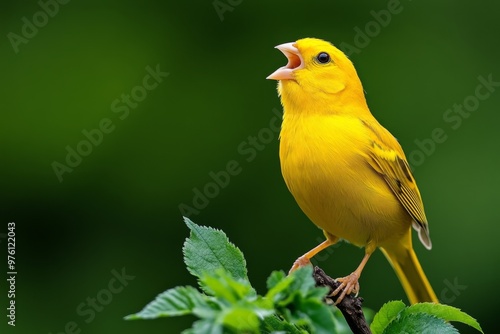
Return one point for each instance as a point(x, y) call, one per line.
point(347, 173)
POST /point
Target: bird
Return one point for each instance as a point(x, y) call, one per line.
point(347, 173)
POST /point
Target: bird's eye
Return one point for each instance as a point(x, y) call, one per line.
point(323, 58)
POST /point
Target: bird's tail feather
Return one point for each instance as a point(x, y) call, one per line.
point(403, 259)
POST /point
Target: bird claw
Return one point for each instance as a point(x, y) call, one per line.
point(348, 285)
point(300, 262)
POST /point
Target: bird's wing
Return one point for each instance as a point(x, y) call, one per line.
point(387, 158)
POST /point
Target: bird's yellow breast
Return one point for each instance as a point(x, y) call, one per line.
point(324, 164)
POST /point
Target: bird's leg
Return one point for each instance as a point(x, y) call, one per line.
point(304, 260)
point(350, 283)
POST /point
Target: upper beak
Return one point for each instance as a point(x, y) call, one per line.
point(295, 62)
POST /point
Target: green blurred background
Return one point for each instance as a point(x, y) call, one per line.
point(119, 207)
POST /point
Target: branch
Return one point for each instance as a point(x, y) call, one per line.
point(350, 306)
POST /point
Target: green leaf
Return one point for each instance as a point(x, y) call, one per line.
point(173, 302)
point(242, 320)
point(303, 280)
point(321, 318)
point(240, 307)
point(388, 312)
point(296, 285)
point(276, 325)
point(278, 285)
point(208, 249)
point(300, 301)
point(445, 312)
point(275, 278)
point(204, 326)
point(223, 286)
point(419, 323)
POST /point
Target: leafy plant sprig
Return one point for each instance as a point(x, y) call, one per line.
point(227, 303)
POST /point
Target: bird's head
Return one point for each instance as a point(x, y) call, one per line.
point(316, 71)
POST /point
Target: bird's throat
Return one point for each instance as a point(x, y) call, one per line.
point(296, 100)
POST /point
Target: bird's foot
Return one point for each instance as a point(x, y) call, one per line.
point(300, 262)
point(348, 285)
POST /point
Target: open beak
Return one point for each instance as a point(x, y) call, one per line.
point(295, 62)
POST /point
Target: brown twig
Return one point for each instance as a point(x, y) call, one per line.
point(350, 306)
